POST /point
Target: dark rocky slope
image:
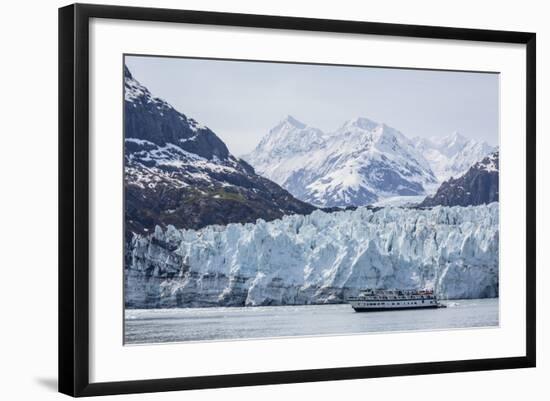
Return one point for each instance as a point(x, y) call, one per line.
point(181, 173)
point(479, 185)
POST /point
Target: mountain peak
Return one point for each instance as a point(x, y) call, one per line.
point(490, 162)
point(293, 122)
point(478, 185)
point(362, 123)
point(153, 119)
point(451, 155)
point(454, 139)
point(288, 137)
point(348, 167)
point(127, 73)
point(457, 137)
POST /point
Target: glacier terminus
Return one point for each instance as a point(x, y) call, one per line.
point(317, 259)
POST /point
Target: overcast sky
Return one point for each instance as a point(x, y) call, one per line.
point(242, 101)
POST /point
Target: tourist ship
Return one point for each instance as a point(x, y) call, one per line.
point(372, 300)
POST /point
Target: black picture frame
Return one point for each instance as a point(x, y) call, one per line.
point(74, 198)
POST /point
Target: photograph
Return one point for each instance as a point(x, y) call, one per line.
point(272, 199)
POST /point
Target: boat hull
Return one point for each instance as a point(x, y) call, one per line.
point(375, 309)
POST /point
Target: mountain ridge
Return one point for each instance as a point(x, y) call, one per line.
point(179, 172)
point(479, 185)
point(354, 165)
point(451, 155)
point(362, 162)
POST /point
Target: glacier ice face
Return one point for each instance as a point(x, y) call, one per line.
point(319, 258)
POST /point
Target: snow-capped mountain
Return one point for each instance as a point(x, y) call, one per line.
point(452, 155)
point(289, 137)
point(317, 258)
point(356, 165)
point(479, 185)
point(179, 172)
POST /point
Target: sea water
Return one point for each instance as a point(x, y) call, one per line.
point(145, 326)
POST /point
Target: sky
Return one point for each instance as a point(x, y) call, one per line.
point(242, 100)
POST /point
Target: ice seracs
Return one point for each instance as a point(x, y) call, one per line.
point(318, 258)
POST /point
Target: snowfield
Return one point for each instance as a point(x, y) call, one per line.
point(361, 163)
point(452, 155)
point(318, 258)
point(358, 164)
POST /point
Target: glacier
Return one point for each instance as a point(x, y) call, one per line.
point(318, 258)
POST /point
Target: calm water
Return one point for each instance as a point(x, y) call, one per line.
point(199, 324)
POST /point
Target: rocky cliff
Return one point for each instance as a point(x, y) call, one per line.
point(180, 172)
point(479, 185)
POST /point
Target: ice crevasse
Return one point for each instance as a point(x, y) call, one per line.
point(317, 258)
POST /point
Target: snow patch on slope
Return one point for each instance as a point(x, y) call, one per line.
point(452, 155)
